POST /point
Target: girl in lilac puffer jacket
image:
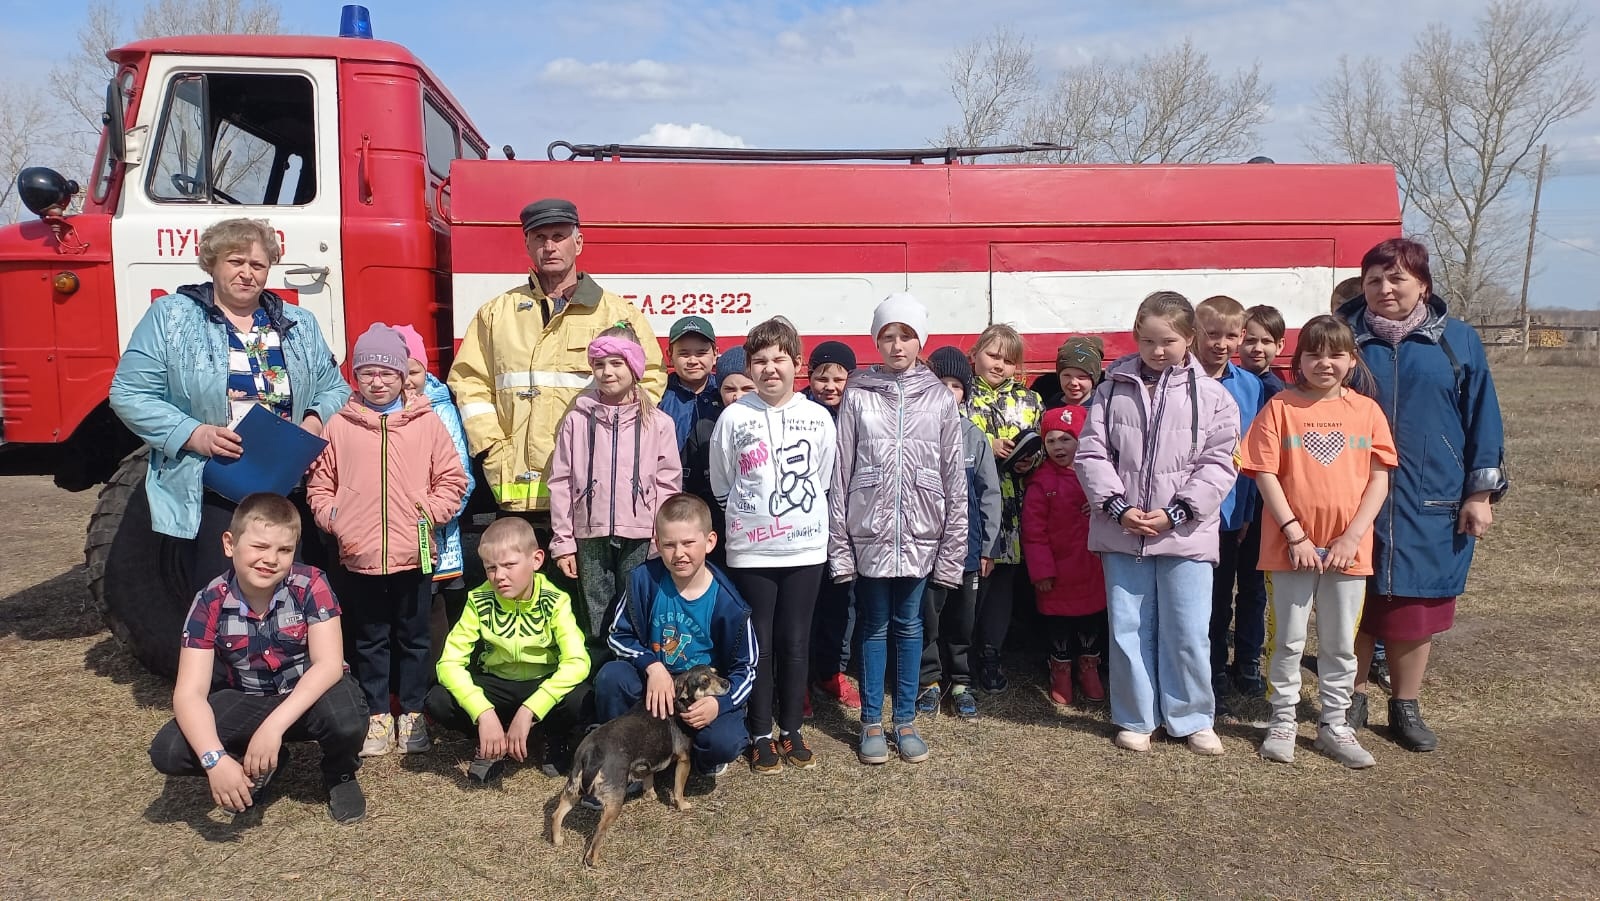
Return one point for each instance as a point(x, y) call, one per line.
point(1156, 459)
point(897, 514)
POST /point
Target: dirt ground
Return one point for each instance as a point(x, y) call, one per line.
point(1029, 801)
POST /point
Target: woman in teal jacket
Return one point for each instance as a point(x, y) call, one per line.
point(1434, 384)
point(197, 361)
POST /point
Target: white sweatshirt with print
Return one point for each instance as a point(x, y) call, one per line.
point(770, 470)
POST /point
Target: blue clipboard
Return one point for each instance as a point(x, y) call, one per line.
point(276, 454)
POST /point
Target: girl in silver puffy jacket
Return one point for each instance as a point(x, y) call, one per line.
point(897, 514)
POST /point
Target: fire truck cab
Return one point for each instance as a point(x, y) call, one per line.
point(388, 210)
point(343, 144)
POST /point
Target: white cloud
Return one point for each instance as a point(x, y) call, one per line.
point(671, 134)
point(642, 79)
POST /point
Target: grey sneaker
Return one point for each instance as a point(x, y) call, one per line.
point(380, 736)
point(928, 703)
point(411, 734)
point(909, 742)
point(1279, 744)
point(1339, 742)
point(874, 748)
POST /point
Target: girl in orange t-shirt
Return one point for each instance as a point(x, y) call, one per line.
point(1321, 453)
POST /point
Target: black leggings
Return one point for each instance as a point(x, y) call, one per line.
point(1076, 636)
point(781, 600)
point(994, 607)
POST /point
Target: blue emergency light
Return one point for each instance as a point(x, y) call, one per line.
point(355, 22)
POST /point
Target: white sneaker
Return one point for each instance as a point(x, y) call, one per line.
point(1128, 740)
point(380, 736)
point(1338, 741)
point(411, 733)
point(1205, 743)
point(1279, 745)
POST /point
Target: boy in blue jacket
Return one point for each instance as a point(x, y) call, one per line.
point(947, 616)
point(1221, 322)
point(681, 612)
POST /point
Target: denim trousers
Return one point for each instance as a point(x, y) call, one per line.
point(1160, 612)
point(880, 603)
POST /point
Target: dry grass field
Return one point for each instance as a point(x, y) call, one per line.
point(1029, 801)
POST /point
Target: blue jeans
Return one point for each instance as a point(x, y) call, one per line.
point(618, 686)
point(1160, 608)
point(880, 602)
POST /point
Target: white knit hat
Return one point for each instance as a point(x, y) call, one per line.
point(904, 309)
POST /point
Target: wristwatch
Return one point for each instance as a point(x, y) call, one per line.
point(211, 758)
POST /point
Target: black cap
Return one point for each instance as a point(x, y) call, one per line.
point(549, 211)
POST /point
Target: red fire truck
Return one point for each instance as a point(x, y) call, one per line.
point(389, 210)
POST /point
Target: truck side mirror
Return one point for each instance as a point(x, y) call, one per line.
point(116, 136)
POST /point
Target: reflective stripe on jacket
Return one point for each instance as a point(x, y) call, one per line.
point(518, 372)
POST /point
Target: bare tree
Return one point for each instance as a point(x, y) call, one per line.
point(1169, 106)
point(991, 79)
point(79, 82)
point(25, 132)
point(1459, 120)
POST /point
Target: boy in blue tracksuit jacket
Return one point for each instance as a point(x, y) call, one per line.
point(680, 612)
point(1220, 322)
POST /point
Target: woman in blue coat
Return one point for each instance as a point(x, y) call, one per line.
point(1434, 384)
point(198, 360)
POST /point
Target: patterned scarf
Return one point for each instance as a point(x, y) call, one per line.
point(1395, 330)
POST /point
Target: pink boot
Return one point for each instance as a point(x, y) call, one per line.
point(1061, 681)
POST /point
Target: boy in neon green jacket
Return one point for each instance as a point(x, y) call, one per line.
point(514, 660)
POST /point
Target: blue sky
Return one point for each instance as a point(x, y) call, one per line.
point(813, 73)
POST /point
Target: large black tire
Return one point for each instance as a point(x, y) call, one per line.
point(136, 575)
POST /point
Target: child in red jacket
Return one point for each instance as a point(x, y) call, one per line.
point(1066, 576)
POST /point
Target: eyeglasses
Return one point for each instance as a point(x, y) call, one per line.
point(378, 375)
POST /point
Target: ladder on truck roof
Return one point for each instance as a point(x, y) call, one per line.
point(915, 156)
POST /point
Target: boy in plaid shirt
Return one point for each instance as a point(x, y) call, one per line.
point(267, 634)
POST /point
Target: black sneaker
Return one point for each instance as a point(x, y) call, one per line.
point(1379, 672)
point(991, 675)
point(346, 803)
point(764, 758)
point(1221, 689)
point(796, 752)
point(1356, 716)
point(1408, 729)
point(557, 760)
point(482, 770)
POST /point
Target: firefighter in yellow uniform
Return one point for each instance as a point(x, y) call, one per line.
point(525, 357)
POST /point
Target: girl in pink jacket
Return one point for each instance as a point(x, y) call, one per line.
point(615, 461)
point(1156, 460)
point(390, 474)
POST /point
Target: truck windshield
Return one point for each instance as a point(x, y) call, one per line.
point(236, 139)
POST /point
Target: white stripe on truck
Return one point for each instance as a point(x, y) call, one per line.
point(958, 302)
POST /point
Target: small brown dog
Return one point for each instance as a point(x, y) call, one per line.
point(628, 749)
